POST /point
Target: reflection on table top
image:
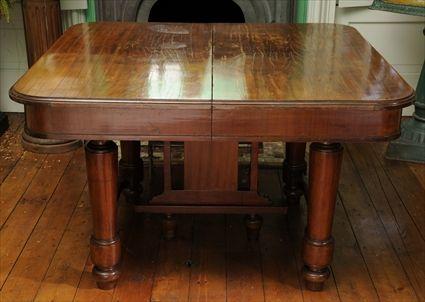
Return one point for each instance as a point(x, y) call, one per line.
point(281, 64)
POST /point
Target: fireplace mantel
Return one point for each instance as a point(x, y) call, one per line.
point(255, 11)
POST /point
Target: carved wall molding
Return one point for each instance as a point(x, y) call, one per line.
point(255, 11)
point(321, 11)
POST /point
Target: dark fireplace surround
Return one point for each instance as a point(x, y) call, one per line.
point(250, 11)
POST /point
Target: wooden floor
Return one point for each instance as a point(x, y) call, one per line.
point(45, 227)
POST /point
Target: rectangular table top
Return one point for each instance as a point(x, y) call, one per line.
point(280, 64)
point(238, 82)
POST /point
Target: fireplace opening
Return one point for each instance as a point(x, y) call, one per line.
point(195, 11)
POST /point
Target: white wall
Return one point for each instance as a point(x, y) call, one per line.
point(13, 60)
point(397, 37)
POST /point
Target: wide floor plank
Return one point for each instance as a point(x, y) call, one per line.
point(407, 185)
point(140, 260)
point(401, 230)
point(33, 263)
point(244, 268)
point(388, 275)
point(18, 227)
point(419, 171)
point(279, 267)
point(280, 271)
point(208, 270)
point(17, 182)
point(65, 270)
point(348, 266)
point(172, 277)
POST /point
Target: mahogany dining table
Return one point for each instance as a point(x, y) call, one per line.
point(212, 86)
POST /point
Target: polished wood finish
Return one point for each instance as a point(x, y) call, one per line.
point(105, 245)
point(156, 62)
point(268, 123)
point(131, 170)
point(279, 84)
point(211, 209)
point(211, 166)
point(210, 197)
point(285, 67)
point(167, 93)
point(48, 145)
point(210, 185)
point(148, 122)
point(325, 166)
point(293, 170)
point(180, 44)
point(173, 64)
point(211, 83)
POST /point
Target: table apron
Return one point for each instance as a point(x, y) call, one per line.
point(200, 122)
point(166, 122)
point(304, 124)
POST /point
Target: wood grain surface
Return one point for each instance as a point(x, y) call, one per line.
point(277, 63)
point(302, 64)
point(197, 82)
point(116, 62)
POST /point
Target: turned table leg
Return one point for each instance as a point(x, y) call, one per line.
point(105, 246)
point(294, 167)
point(169, 226)
point(325, 166)
point(253, 224)
point(131, 170)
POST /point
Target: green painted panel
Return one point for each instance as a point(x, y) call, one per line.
point(301, 11)
point(91, 11)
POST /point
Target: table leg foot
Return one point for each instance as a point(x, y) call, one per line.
point(105, 245)
point(106, 279)
point(315, 280)
point(169, 226)
point(131, 170)
point(253, 224)
point(318, 245)
point(294, 167)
